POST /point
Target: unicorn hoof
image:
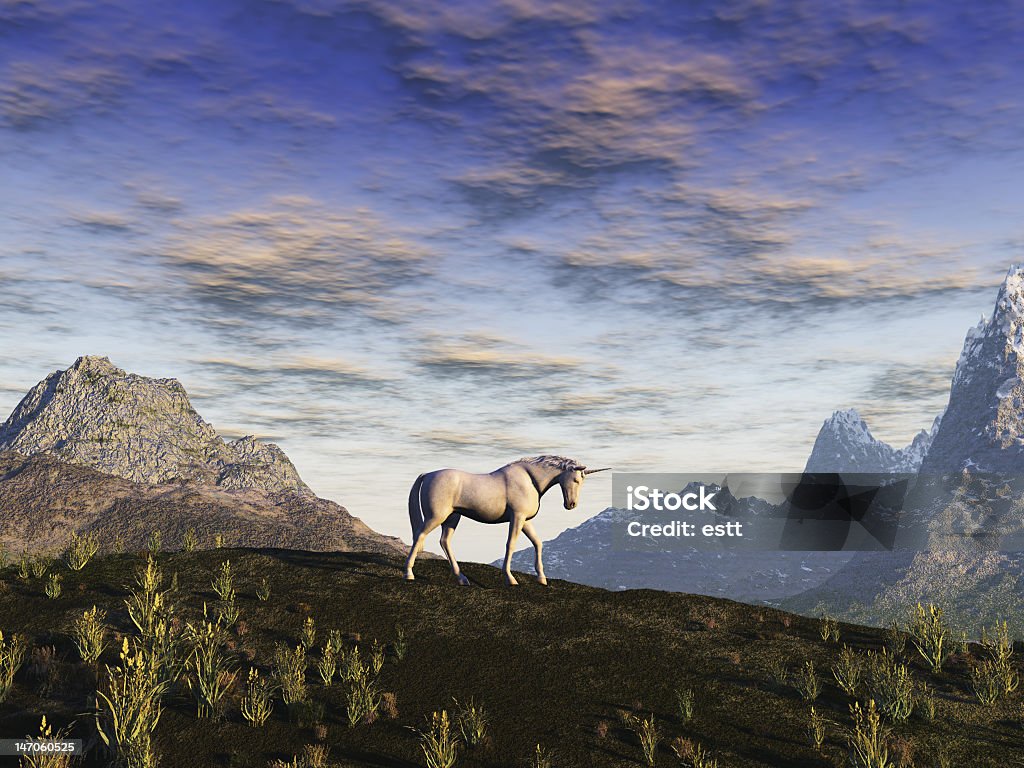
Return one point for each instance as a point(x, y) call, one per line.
point(463, 580)
point(409, 577)
point(512, 582)
point(542, 581)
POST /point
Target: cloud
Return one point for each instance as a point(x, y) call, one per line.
point(491, 357)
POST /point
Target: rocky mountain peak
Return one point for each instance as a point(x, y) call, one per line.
point(845, 444)
point(984, 423)
point(142, 429)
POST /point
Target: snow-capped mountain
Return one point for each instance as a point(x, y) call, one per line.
point(983, 428)
point(845, 444)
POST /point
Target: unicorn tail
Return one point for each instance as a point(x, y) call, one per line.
point(416, 517)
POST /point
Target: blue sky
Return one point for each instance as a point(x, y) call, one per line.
point(393, 237)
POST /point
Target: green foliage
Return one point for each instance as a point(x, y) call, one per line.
point(867, 740)
point(400, 645)
point(80, 550)
point(364, 698)
point(290, 673)
point(930, 635)
point(848, 671)
point(829, 629)
point(541, 758)
point(327, 666)
point(39, 565)
point(778, 670)
point(926, 701)
point(189, 541)
point(376, 657)
point(895, 639)
point(308, 637)
point(438, 741)
point(153, 543)
point(691, 753)
point(257, 704)
point(224, 582)
point(90, 634)
point(647, 733)
point(890, 686)
point(210, 669)
point(263, 590)
point(42, 758)
point(807, 682)
point(218, 540)
point(146, 604)
point(816, 729)
point(987, 682)
point(12, 656)
point(128, 714)
point(54, 586)
point(684, 704)
point(24, 567)
point(472, 720)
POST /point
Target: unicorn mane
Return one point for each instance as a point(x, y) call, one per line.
point(547, 460)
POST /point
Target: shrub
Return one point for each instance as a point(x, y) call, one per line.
point(24, 567)
point(816, 729)
point(778, 670)
point(350, 664)
point(692, 753)
point(389, 703)
point(541, 758)
point(472, 720)
point(848, 671)
point(829, 629)
point(227, 612)
point(999, 645)
point(903, 751)
point(438, 741)
point(890, 685)
point(54, 586)
point(290, 673)
point(90, 634)
point(39, 565)
point(376, 657)
point(130, 712)
point(43, 759)
point(684, 704)
point(930, 634)
point(218, 540)
point(190, 540)
point(647, 733)
point(12, 656)
point(153, 543)
point(895, 639)
point(224, 582)
point(308, 633)
point(987, 682)
point(363, 698)
point(926, 701)
point(807, 682)
point(867, 740)
point(400, 646)
point(257, 704)
point(263, 590)
point(210, 669)
point(80, 550)
point(147, 605)
point(327, 666)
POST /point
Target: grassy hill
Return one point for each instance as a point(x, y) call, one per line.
point(569, 667)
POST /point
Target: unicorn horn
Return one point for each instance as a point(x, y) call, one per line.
point(592, 471)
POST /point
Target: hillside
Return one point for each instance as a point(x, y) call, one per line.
point(556, 666)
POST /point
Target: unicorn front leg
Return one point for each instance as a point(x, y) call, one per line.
point(447, 529)
point(531, 534)
point(513, 533)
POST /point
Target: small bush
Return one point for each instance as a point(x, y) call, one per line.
point(848, 671)
point(327, 666)
point(218, 540)
point(363, 698)
point(829, 629)
point(308, 637)
point(290, 673)
point(930, 636)
point(376, 657)
point(389, 705)
point(867, 740)
point(257, 703)
point(807, 682)
point(210, 669)
point(895, 639)
point(778, 670)
point(890, 686)
point(129, 713)
point(692, 753)
point(400, 646)
point(987, 682)
point(541, 758)
point(926, 702)
point(438, 741)
point(190, 540)
point(153, 543)
point(54, 586)
point(647, 732)
point(24, 567)
point(39, 565)
point(80, 550)
point(816, 729)
point(43, 759)
point(12, 656)
point(684, 704)
point(224, 582)
point(90, 634)
point(472, 720)
point(263, 590)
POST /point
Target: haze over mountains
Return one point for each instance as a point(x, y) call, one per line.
point(95, 448)
point(981, 431)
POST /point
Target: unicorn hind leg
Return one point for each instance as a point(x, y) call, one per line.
point(447, 529)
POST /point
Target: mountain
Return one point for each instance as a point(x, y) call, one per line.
point(145, 430)
point(96, 449)
point(983, 427)
point(845, 444)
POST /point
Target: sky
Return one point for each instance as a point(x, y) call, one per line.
point(393, 237)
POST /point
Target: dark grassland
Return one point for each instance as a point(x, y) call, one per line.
point(555, 666)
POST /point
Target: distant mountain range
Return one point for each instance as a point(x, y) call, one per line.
point(94, 448)
point(981, 431)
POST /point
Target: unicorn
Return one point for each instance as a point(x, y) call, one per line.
point(510, 494)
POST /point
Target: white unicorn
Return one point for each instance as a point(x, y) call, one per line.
point(510, 494)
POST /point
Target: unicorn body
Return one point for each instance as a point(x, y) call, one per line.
point(510, 494)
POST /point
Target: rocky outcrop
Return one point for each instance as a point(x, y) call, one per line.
point(983, 429)
point(845, 444)
point(145, 430)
